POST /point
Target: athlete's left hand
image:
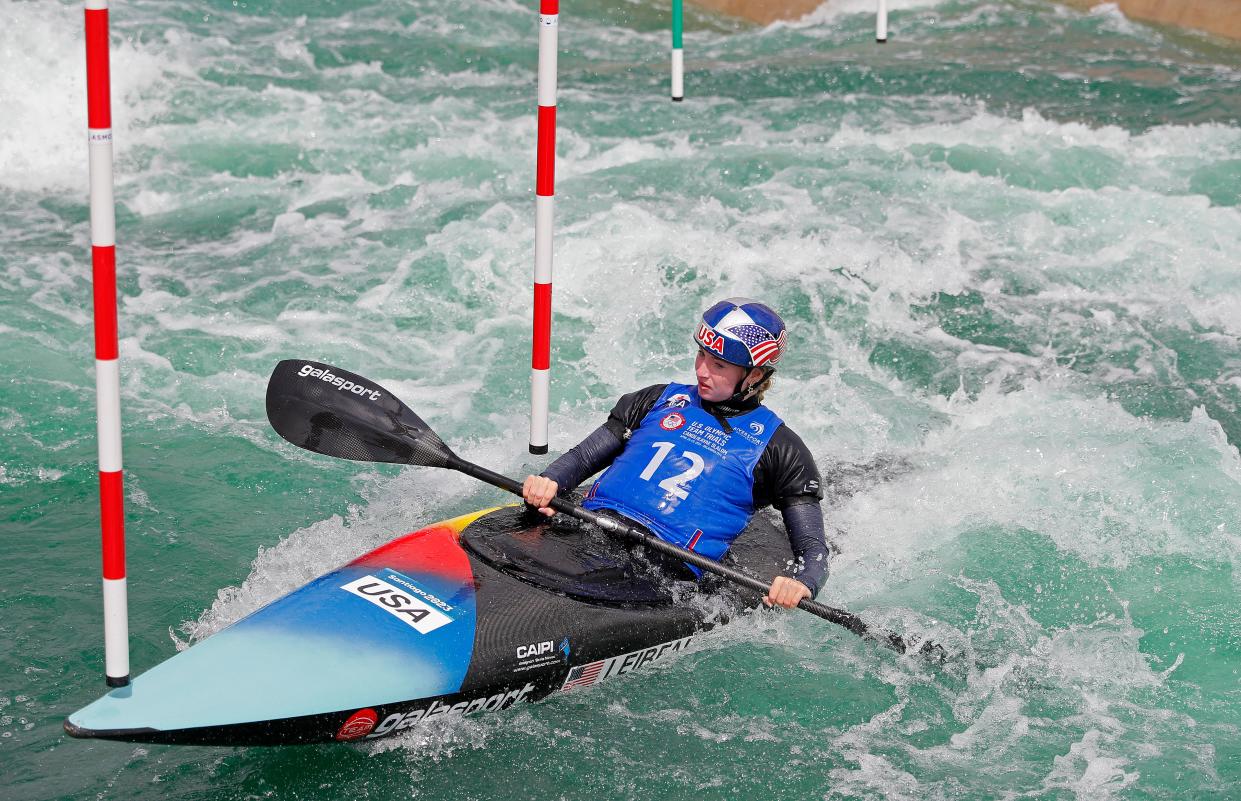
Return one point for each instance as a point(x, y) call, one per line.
point(786, 592)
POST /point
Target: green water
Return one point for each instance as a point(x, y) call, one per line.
point(1006, 244)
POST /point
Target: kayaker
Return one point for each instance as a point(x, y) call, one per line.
point(692, 462)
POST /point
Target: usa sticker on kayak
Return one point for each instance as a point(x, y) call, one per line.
point(399, 602)
point(586, 675)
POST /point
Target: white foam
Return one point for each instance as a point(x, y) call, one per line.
point(856, 227)
point(832, 10)
point(43, 81)
point(148, 202)
point(394, 506)
point(1088, 773)
point(1084, 473)
point(580, 158)
point(1114, 19)
point(875, 775)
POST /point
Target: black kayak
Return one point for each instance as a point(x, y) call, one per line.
point(470, 615)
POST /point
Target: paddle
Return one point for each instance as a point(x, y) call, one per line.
point(338, 413)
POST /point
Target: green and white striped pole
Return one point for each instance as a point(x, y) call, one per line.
point(678, 57)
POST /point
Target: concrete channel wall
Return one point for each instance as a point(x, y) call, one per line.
point(1219, 17)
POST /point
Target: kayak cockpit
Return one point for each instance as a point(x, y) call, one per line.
point(579, 561)
point(567, 558)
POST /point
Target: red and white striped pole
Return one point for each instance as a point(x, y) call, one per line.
point(107, 368)
point(545, 197)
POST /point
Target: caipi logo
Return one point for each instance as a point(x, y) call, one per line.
point(342, 384)
point(535, 649)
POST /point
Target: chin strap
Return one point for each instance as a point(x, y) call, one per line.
point(742, 393)
point(743, 400)
point(743, 396)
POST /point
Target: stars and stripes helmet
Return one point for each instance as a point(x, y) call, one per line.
point(744, 332)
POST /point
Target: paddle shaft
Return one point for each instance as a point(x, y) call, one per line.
point(328, 410)
point(613, 526)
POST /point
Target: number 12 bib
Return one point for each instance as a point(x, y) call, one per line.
point(683, 476)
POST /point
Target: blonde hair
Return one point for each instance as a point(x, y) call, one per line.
point(761, 388)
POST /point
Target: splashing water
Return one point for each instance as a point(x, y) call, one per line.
point(1005, 245)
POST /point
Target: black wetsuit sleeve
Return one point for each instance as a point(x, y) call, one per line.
point(786, 473)
point(628, 412)
point(585, 459)
point(804, 522)
point(786, 477)
point(606, 442)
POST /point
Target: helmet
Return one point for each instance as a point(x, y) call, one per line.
point(744, 332)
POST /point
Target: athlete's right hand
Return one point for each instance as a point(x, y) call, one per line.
point(538, 492)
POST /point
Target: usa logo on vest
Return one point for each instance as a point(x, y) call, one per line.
point(672, 422)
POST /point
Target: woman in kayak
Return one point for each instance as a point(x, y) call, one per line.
point(692, 463)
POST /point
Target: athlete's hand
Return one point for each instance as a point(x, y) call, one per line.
point(786, 592)
point(538, 492)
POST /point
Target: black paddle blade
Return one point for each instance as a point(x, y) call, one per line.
point(338, 413)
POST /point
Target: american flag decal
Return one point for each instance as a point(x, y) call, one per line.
point(763, 349)
point(586, 675)
point(583, 675)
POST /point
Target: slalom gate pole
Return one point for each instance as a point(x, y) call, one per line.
point(107, 367)
point(678, 54)
point(881, 23)
point(544, 204)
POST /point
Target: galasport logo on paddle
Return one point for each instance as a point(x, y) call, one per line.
point(398, 602)
point(586, 675)
point(492, 703)
point(672, 422)
point(360, 724)
point(342, 384)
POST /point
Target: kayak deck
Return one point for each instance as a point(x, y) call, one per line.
point(417, 629)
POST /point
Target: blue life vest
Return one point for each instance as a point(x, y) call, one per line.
point(683, 477)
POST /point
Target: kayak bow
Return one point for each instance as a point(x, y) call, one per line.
point(419, 629)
